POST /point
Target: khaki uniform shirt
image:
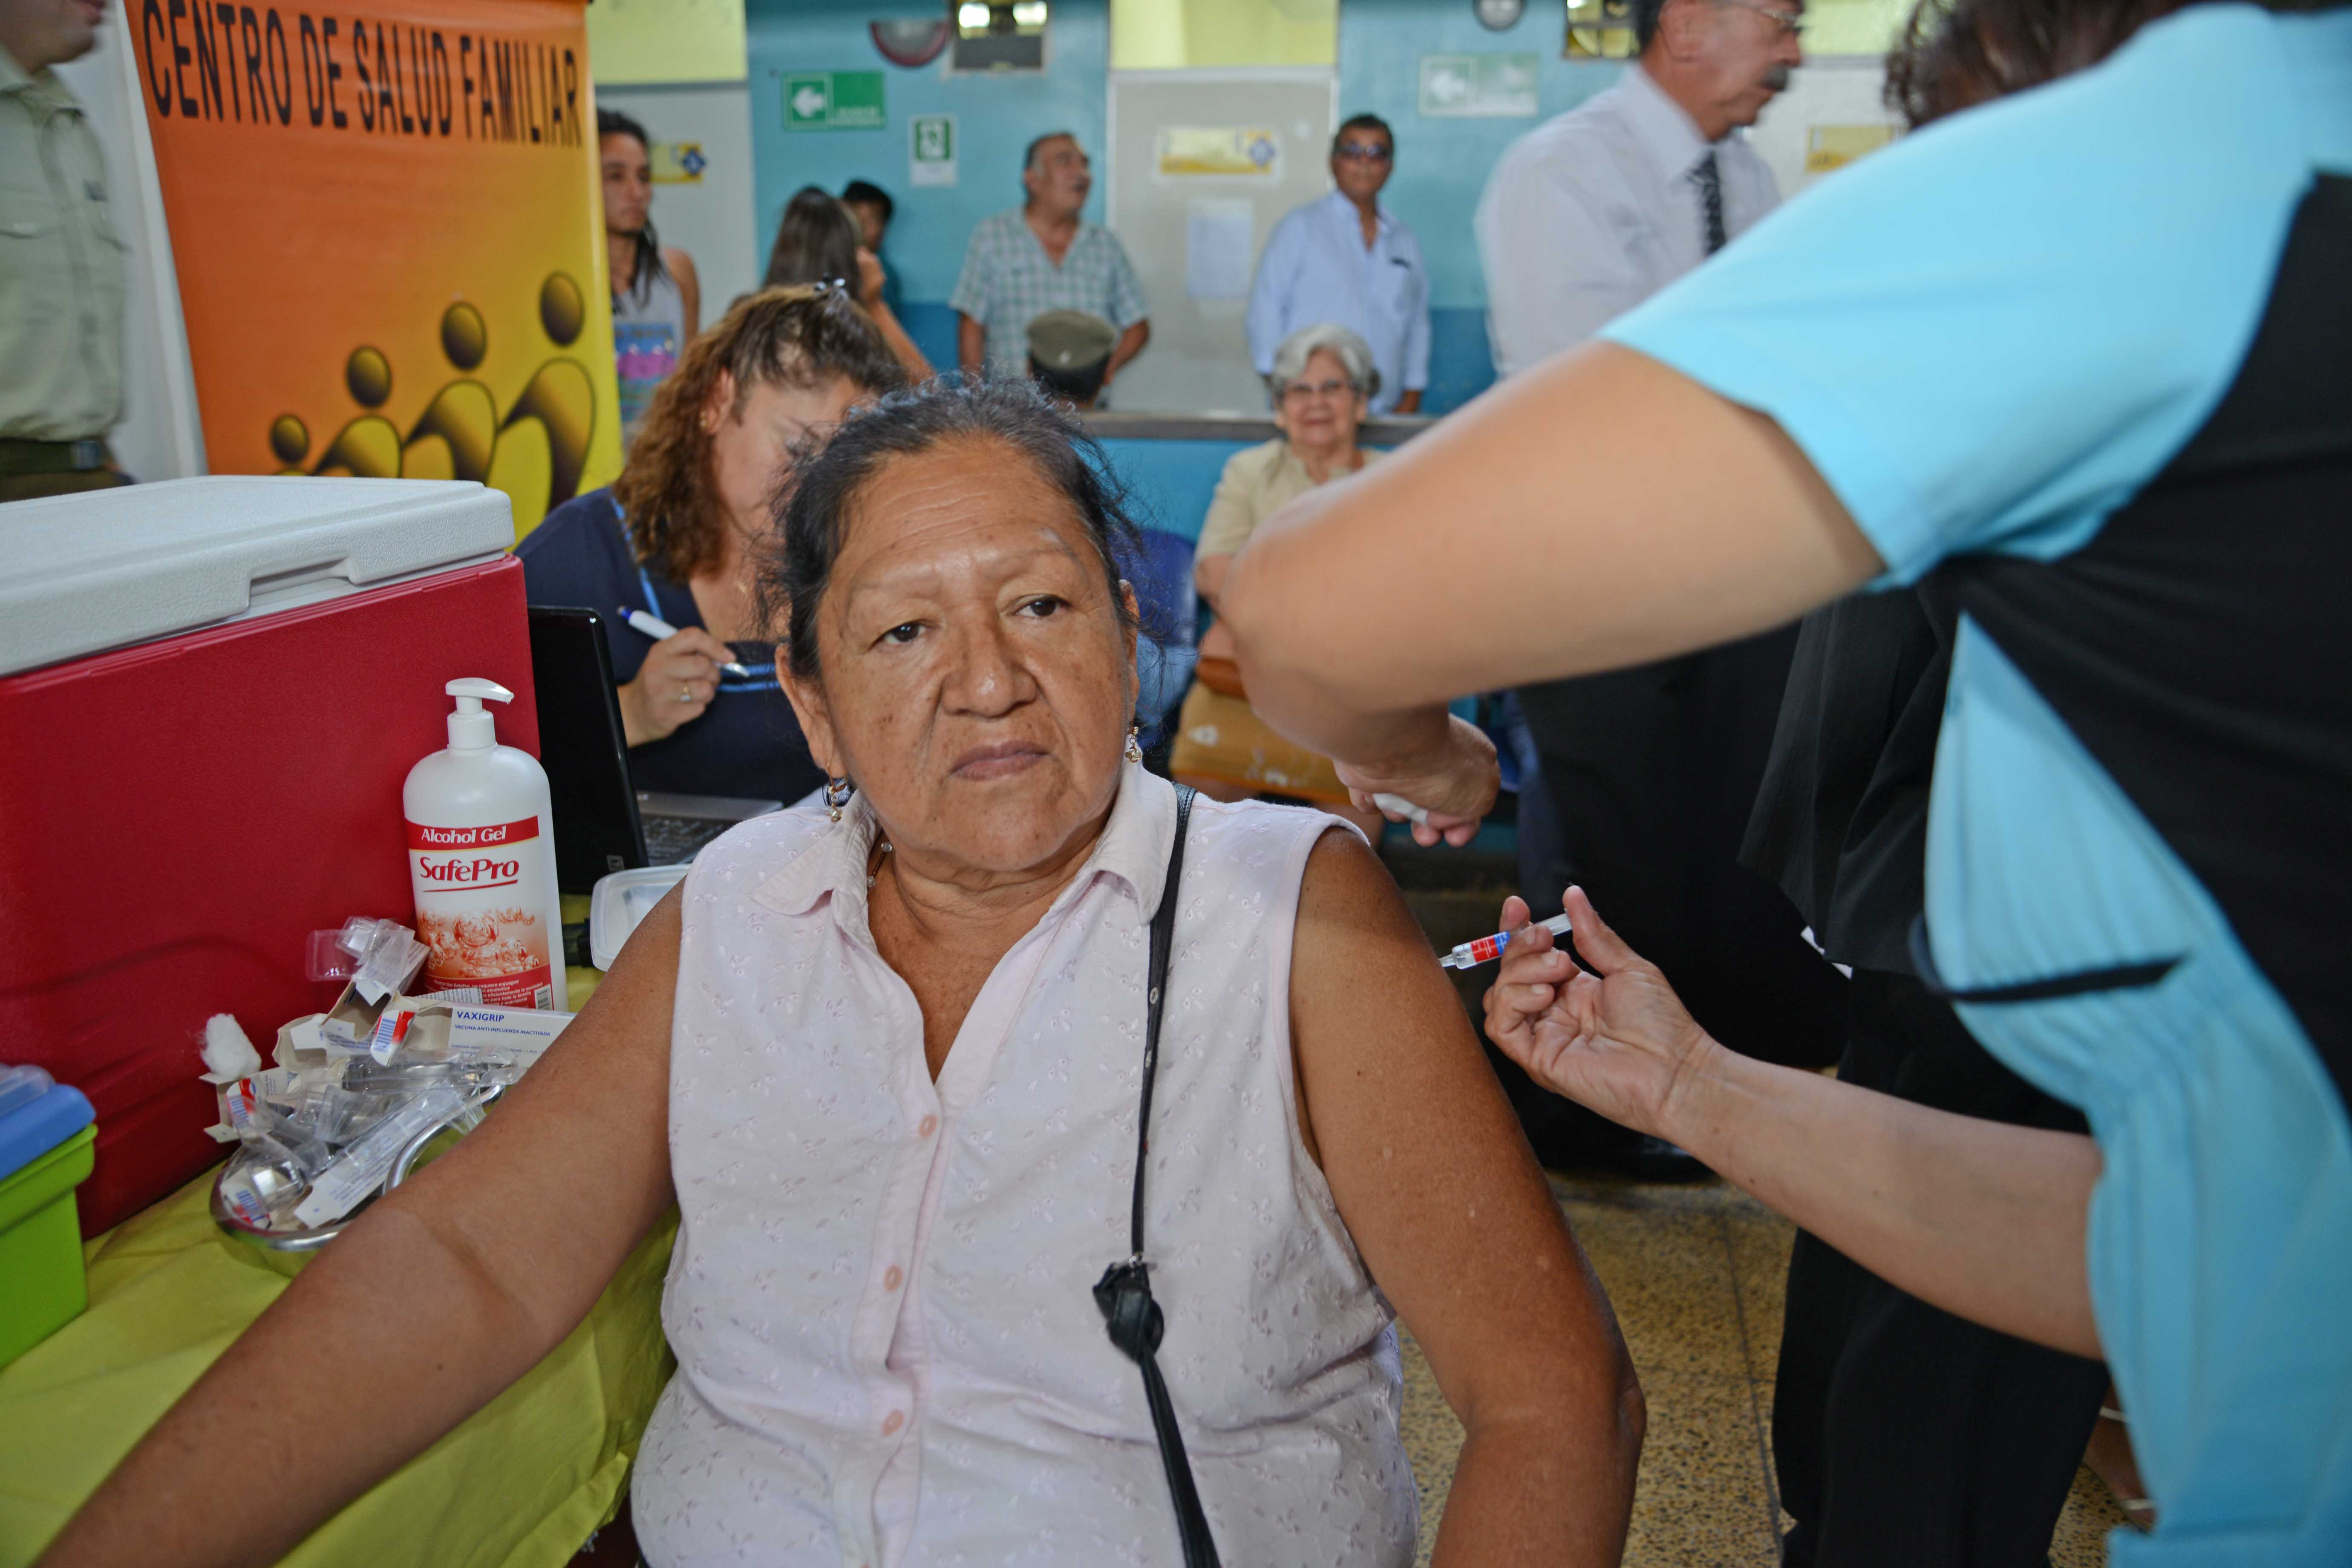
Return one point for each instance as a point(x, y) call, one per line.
point(61, 267)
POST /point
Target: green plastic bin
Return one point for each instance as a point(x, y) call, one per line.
point(41, 1288)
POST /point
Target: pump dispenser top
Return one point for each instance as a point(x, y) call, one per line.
point(472, 727)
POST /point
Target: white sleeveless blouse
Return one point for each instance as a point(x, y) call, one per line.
point(889, 1350)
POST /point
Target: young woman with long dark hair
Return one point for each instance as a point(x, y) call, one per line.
point(657, 296)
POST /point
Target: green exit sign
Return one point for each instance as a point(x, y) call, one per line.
point(833, 100)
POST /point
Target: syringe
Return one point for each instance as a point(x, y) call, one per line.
point(1487, 949)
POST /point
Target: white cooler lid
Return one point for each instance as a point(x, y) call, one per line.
point(105, 569)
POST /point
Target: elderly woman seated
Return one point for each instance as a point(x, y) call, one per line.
point(889, 1062)
point(1321, 385)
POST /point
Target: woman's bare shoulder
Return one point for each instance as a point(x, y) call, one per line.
point(1347, 896)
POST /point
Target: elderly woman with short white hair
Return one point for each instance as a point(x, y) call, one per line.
point(1321, 386)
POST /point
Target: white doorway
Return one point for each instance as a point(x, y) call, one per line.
point(1203, 164)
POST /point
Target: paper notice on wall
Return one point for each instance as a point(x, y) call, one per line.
point(1829, 147)
point(1218, 152)
point(1217, 249)
point(677, 162)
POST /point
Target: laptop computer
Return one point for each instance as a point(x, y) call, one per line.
point(604, 823)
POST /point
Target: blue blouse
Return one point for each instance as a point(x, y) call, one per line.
point(747, 742)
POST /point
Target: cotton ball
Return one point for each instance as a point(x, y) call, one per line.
point(226, 1050)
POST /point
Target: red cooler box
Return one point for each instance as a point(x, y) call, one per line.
point(210, 691)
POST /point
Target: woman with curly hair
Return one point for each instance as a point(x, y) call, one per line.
point(677, 534)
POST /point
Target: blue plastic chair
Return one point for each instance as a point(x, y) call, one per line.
point(1164, 587)
point(1162, 576)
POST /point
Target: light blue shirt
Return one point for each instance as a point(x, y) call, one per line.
point(1316, 269)
point(1988, 339)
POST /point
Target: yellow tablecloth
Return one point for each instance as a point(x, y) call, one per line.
point(519, 1485)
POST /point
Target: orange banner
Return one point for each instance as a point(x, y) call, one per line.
point(388, 237)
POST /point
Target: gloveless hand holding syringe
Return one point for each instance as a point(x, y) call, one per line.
point(1487, 948)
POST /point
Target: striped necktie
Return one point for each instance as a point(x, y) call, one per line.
point(1710, 196)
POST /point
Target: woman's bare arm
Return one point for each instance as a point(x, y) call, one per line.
point(1492, 552)
point(690, 290)
point(902, 347)
point(1455, 1220)
point(466, 1276)
point(1981, 1218)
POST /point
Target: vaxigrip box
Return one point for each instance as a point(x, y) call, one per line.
point(437, 1028)
point(210, 691)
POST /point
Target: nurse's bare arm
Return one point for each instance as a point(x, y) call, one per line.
point(465, 1278)
point(1496, 549)
point(1981, 1218)
point(1455, 1221)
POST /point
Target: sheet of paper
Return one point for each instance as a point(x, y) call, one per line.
point(1217, 248)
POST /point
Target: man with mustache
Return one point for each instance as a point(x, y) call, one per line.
point(60, 263)
point(1043, 256)
point(1646, 775)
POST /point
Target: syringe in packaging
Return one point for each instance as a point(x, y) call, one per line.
point(360, 1168)
point(1487, 948)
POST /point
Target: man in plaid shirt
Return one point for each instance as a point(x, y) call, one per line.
point(1040, 256)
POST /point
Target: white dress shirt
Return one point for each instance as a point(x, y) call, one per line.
point(1590, 214)
point(1316, 269)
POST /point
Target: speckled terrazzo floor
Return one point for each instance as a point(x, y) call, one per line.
point(1696, 1274)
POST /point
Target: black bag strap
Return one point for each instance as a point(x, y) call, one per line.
point(1124, 1292)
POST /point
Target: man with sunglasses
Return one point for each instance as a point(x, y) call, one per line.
point(1646, 775)
point(1348, 260)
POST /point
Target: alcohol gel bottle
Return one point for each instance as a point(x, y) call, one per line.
point(482, 857)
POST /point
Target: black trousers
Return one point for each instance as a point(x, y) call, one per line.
point(1904, 1434)
point(1649, 774)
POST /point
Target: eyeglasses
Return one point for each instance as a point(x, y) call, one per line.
point(1368, 151)
point(1791, 25)
point(1300, 390)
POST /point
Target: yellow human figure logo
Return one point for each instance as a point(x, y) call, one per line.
point(368, 448)
point(535, 451)
point(543, 443)
point(453, 438)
